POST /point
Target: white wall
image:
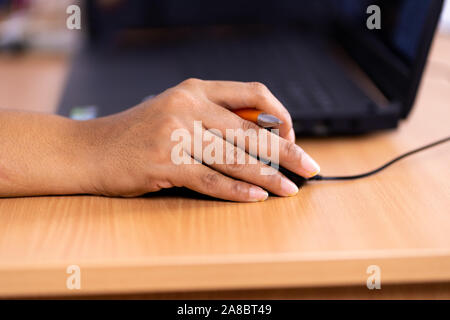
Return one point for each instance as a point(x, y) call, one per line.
point(445, 18)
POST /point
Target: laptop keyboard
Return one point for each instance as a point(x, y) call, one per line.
point(300, 73)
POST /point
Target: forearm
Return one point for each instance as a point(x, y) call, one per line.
point(131, 153)
point(41, 154)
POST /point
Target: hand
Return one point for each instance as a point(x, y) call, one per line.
point(131, 153)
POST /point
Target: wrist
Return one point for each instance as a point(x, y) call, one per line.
point(84, 150)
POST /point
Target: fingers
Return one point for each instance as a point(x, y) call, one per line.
point(235, 162)
point(205, 180)
point(215, 176)
point(295, 159)
point(277, 149)
point(236, 95)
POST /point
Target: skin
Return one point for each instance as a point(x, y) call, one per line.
point(129, 153)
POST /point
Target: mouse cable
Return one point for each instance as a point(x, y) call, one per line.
point(363, 175)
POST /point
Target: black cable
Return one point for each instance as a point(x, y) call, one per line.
point(363, 175)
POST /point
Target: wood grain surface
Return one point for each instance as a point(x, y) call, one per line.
point(172, 241)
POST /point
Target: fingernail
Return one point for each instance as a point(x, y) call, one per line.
point(257, 194)
point(289, 188)
point(310, 166)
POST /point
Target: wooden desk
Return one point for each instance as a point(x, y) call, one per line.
point(326, 236)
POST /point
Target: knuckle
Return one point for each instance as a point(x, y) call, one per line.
point(238, 189)
point(234, 166)
point(235, 160)
point(248, 125)
point(210, 180)
point(273, 180)
point(258, 87)
point(179, 98)
point(260, 90)
point(191, 82)
point(177, 95)
point(292, 151)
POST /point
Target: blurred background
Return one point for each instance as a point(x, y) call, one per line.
point(445, 20)
point(41, 25)
point(35, 25)
point(36, 46)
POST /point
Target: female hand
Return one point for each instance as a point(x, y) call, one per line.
point(179, 138)
point(132, 153)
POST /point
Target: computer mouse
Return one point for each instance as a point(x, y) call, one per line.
point(295, 178)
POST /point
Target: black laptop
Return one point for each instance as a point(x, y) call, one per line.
point(332, 72)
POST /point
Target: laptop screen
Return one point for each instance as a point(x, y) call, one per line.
point(402, 20)
point(393, 56)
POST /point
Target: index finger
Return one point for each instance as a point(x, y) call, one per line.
point(290, 156)
point(236, 95)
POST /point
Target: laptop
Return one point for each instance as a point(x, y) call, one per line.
point(334, 73)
